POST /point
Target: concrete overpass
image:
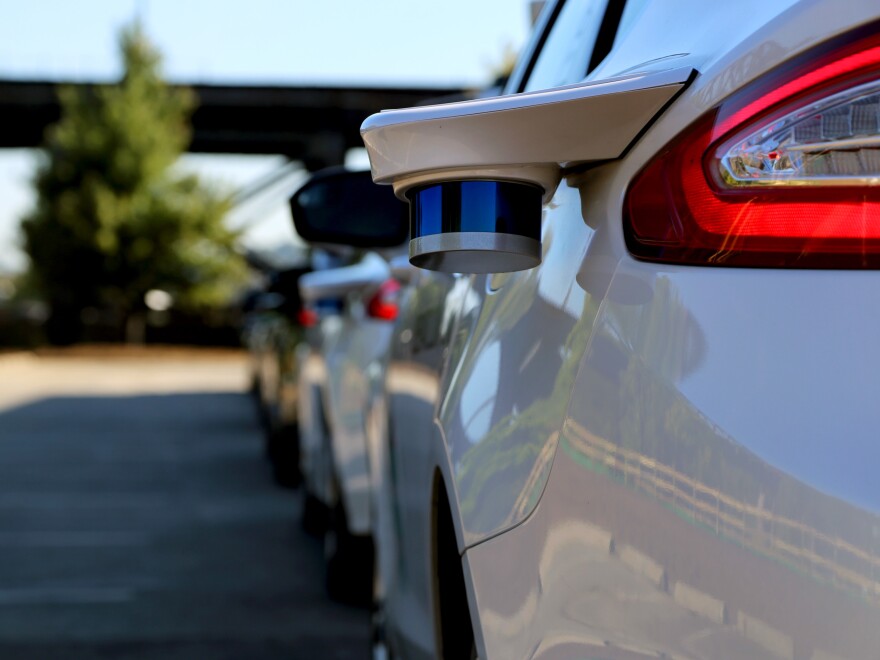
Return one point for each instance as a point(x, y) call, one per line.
point(311, 124)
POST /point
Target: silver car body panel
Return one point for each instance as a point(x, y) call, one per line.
point(316, 462)
point(339, 374)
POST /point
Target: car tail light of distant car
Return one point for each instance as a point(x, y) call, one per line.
point(785, 173)
point(307, 317)
point(385, 305)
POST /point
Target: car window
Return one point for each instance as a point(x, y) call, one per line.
point(634, 9)
point(566, 52)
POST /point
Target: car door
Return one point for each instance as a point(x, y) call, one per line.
point(520, 347)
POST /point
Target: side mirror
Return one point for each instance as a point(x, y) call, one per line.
point(476, 173)
point(340, 207)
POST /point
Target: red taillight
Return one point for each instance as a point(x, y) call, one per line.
point(384, 305)
point(785, 173)
point(307, 317)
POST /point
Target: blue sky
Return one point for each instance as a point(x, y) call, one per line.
point(268, 41)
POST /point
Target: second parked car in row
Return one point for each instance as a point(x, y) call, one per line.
point(344, 365)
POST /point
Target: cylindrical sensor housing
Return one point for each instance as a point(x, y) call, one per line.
point(475, 226)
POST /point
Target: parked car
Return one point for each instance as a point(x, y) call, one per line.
point(641, 423)
point(342, 365)
point(274, 328)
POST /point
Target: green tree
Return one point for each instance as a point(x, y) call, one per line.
point(113, 218)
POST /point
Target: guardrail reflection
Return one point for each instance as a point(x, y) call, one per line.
point(821, 555)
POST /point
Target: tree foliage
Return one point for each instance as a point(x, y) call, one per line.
point(113, 218)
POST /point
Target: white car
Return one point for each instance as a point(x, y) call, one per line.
point(342, 366)
point(642, 422)
point(272, 331)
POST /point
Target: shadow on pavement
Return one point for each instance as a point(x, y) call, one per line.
point(148, 526)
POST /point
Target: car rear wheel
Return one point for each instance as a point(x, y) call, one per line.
point(349, 561)
point(456, 634)
point(282, 448)
point(314, 515)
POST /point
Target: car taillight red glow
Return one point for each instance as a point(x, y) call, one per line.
point(785, 173)
point(307, 317)
point(384, 305)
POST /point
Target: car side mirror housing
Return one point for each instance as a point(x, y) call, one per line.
point(342, 207)
point(476, 172)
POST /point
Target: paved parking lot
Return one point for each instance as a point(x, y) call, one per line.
point(138, 518)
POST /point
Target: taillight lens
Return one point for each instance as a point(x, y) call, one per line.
point(307, 317)
point(384, 305)
point(785, 173)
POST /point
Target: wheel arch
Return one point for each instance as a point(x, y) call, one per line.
point(455, 628)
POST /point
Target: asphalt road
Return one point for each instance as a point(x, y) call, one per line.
point(138, 519)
